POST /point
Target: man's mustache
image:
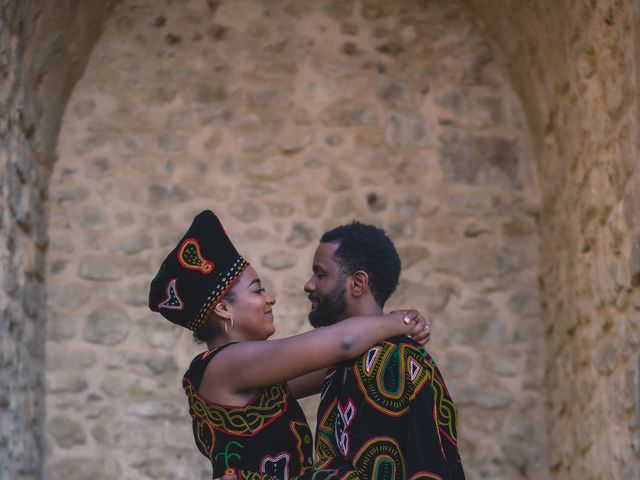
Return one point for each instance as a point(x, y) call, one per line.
point(313, 298)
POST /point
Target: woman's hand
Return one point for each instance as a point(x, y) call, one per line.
point(417, 327)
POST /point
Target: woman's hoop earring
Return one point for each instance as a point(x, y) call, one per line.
point(226, 328)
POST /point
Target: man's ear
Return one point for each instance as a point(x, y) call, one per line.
point(359, 283)
point(222, 310)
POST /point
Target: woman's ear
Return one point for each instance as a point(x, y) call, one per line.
point(359, 283)
point(222, 310)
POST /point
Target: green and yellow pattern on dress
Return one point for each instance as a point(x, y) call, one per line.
point(382, 379)
point(240, 421)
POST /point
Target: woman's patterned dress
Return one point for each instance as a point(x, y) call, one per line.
point(268, 438)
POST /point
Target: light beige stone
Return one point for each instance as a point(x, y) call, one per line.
point(550, 170)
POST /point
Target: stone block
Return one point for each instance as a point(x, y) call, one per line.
point(338, 9)
point(489, 394)
point(245, 211)
point(165, 194)
point(172, 143)
point(98, 167)
point(281, 209)
point(406, 130)
point(85, 468)
point(60, 326)
point(107, 325)
point(154, 410)
point(412, 254)
point(66, 383)
point(294, 139)
point(634, 261)
point(134, 294)
point(160, 364)
point(278, 260)
point(525, 302)
point(207, 94)
point(67, 297)
point(66, 432)
point(301, 235)
point(314, 204)
point(66, 359)
point(394, 94)
point(481, 331)
point(135, 244)
point(160, 96)
point(487, 160)
point(339, 181)
point(347, 113)
point(94, 218)
point(97, 267)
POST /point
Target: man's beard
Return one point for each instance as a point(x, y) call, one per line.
point(328, 308)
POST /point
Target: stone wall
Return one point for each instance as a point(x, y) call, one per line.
point(287, 118)
point(575, 66)
point(42, 48)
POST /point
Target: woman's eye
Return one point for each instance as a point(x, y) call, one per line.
point(260, 290)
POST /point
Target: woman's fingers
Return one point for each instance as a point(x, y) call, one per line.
point(420, 332)
point(410, 316)
point(424, 336)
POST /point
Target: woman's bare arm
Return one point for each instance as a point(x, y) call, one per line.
point(248, 365)
point(311, 383)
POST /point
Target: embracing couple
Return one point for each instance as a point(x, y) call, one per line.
point(384, 413)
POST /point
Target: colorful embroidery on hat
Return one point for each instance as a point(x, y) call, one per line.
point(190, 257)
point(223, 285)
point(173, 300)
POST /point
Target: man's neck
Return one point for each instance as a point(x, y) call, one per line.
point(363, 308)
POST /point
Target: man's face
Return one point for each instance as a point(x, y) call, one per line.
point(326, 287)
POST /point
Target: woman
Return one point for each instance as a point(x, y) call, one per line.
point(245, 416)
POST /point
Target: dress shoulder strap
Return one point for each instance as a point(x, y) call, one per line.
point(199, 364)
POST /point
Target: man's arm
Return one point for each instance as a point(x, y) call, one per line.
point(308, 384)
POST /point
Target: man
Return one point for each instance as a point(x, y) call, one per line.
point(386, 414)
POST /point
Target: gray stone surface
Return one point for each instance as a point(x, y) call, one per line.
point(577, 106)
point(67, 433)
point(99, 268)
point(107, 325)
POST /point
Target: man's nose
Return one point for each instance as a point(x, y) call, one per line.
point(310, 286)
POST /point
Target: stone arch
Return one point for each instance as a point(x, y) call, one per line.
point(286, 118)
point(575, 67)
point(555, 53)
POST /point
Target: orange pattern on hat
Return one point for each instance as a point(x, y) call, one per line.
point(190, 257)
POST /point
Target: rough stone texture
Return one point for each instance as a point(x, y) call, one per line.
point(286, 125)
point(578, 79)
point(340, 109)
point(44, 46)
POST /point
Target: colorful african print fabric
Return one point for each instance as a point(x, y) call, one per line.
point(267, 439)
point(387, 415)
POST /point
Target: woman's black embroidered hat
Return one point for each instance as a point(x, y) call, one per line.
point(196, 274)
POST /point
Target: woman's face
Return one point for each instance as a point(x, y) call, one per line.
point(251, 308)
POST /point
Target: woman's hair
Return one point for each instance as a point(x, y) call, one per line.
point(210, 329)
